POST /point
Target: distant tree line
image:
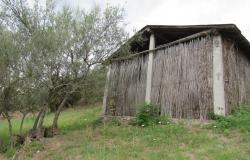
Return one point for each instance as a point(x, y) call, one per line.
point(51, 57)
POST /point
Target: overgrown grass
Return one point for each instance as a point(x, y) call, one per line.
point(115, 140)
point(238, 120)
point(32, 148)
point(72, 119)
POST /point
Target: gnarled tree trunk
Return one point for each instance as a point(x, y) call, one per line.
point(58, 112)
point(38, 130)
point(41, 120)
point(21, 125)
point(7, 116)
point(37, 119)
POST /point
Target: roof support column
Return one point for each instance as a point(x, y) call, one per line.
point(150, 69)
point(105, 97)
point(218, 80)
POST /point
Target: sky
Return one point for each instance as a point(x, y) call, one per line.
point(176, 12)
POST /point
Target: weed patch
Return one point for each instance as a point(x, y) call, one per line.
point(32, 148)
point(239, 119)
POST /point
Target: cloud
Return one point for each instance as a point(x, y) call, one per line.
point(178, 12)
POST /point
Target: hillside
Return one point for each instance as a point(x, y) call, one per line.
point(83, 137)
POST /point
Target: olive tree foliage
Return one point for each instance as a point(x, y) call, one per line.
point(12, 88)
point(9, 75)
point(58, 50)
point(26, 27)
point(90, 38)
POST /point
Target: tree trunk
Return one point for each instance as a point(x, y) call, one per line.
point(38, 131)
point(21, 125)
point(7, 116)
point(58, 112)
point(10, 126)
point(40, 124)
point(37, 119)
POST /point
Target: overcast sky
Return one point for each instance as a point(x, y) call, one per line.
point(177, 12)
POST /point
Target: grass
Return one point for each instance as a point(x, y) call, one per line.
point(176, 141)
point(71, 120)
point(238, 120)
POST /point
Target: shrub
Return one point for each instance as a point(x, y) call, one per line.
point(149, 114)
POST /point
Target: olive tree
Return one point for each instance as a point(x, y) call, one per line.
point(10, 75)
point(59, 50)
point(90, 38)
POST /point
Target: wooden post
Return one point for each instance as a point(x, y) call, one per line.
point(106, 90)
point(150, 68)
point(218, 81)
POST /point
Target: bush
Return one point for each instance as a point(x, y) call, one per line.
point(149, 114)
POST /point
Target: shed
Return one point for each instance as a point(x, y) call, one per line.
point(187, 71)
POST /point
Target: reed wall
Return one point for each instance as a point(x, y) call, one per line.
point(182, 79)
point(127, 86)
point(236, 75)
point(181, 82)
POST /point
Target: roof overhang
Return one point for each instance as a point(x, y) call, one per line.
point(165, 34)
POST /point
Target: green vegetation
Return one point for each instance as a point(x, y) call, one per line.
point(32, 148)
point(148, 115)
point(73, 119)
point(186, 139)
point(51, 57)
point(238, 120)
